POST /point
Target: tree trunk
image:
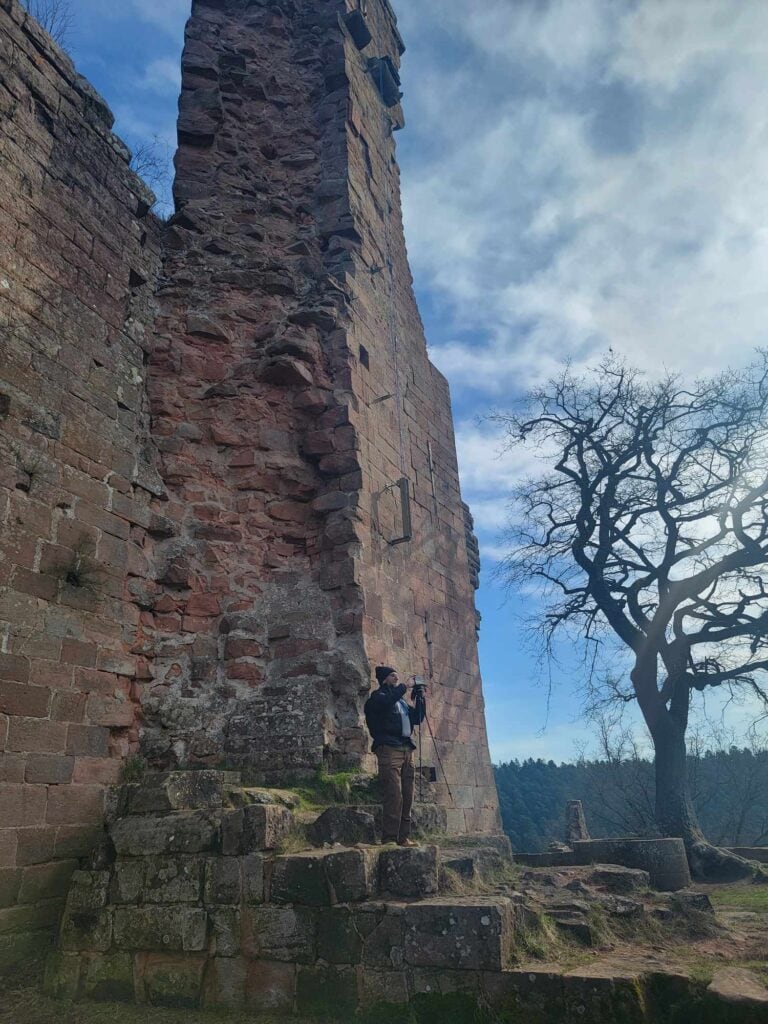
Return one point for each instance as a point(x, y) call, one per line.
point(675, 813)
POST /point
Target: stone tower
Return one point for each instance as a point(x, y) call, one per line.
point(315, 522)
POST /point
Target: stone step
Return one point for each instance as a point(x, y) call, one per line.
point(231, 832)
point(473, 864)
point(427, 819)
point(103, 948)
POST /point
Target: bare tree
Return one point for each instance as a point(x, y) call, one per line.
point(55, 16)
point(152, 161)
point(651, 529)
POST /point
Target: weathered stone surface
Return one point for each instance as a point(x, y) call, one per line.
point(127, 885)
point(575, 822)
point(300, 878)
point(89, 930)
point(735, 986)
point(109, 978)
point(352, 875)
point(225, 982)
point(183, 832)
point(171, 980)
point(160, 928)
point(327, 992)
point(173, 880)
point(409, 871)
point(280, 933)
point(469, 933)
point(88, 890)
point(618, 879)
point(253, 878)
point(664, 859)
point(474, 864)
point(271, 986)
point(345, 825)
point(687, 900)
point(223, 881)
point(339, 941)
point(176, 791)
point(258, 827)
point(62, 975)
point(225, 931)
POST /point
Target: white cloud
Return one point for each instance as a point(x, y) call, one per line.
point(168, 15)
point(163, 75)
point(591, 174)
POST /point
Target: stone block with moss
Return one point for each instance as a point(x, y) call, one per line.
point(469, 933)
point(329, 993)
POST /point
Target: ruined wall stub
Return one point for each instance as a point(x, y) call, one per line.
point(300, 420)
point(79, 253)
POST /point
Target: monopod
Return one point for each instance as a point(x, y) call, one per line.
point(419, 687)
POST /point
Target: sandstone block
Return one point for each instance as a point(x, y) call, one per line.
point(345, 825)
point(223, 883)
point(665, 860)
point(172, 981)
point(88, 890)
point(338, 939)
point(382, 928)
point(160, 928)
point(271, 986)
point(86, 930)
point(62, 975)
point(225, 982)
point(176, 791)
point(300, 878)
point(409, 872)
point(352, 875)
point(127, 885)
point(618, 879)
point(225, 931)
point(280, 933)
point(182, 832)
point(327, 992)
point(258, 827)
point(737, 987)
point(109, 978)
point(173, 880)
point(253, 878)
point(467, 933)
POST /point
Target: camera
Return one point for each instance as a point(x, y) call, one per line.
point(418, 685)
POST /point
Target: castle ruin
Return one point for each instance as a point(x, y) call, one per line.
point(229, 485)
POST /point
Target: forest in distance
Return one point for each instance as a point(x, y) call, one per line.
point(729, 789)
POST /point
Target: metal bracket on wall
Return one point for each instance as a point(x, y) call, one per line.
point(405, 504)
point(403, 487)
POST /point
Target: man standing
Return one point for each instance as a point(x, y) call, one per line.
point(391, 722)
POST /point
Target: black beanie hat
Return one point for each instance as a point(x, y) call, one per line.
point(382, 672)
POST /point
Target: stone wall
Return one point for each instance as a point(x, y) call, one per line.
point(78, 258)
point(299, 417)
point(260, 661)
point(419, 592)
point(229, 483)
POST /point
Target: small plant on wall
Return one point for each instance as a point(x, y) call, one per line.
point(78, 577)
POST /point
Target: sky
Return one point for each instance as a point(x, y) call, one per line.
point(577, 174)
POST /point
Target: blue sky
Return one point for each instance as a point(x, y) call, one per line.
point(576, 174)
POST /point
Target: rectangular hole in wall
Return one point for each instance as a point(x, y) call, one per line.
point(364, 357)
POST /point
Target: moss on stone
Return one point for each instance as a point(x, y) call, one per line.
point(109, 978)
point(456, 1007)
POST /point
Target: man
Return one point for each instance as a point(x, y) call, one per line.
point(391, 722)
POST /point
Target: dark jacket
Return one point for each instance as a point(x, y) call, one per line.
point(384, 721)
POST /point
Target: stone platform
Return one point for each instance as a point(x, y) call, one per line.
point(189, 902)
point(194, 900)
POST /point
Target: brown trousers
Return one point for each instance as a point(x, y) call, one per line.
point(396, 776)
